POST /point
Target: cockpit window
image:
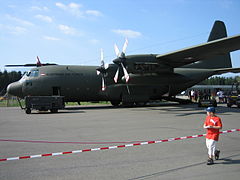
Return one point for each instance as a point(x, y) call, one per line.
point(32, 73)
point(28, 73)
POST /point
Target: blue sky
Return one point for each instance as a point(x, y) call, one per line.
point(73, 32)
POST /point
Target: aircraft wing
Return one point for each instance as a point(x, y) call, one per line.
point(200, 52)
point(227, 70)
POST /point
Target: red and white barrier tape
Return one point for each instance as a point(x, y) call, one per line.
point(111, 147)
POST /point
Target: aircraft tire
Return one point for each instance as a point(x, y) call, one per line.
point(128, 104)
point(28, 111)
point(140, 104)
point(53, 110)
point(115, 103)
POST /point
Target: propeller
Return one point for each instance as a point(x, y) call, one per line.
point(102, 69)
point(38, 64)
point(120, 60)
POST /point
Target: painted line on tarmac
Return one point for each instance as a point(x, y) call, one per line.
point(111, 147)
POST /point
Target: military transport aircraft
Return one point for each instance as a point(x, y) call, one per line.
point(133, 79)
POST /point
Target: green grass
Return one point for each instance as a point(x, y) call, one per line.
point(10, 103)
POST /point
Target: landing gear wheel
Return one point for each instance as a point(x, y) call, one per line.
point(54, 110)
point(28, 111)
point(128, 104)
point(140, 104)
point(115, 103)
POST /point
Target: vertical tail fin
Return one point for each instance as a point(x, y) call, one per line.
point(221, 61)
point(218, 31)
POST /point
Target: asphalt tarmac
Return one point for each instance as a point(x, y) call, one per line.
point(100, 126)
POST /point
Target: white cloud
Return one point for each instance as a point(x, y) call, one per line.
point(20, 21)
point(50, 38)
point(72, 8)
point(75, 9)
point(94, 41)
point(17, 30)
point(94, 13)
point(44, 18)
point(127, 33)
point(69, 30)
point(66, 29)
point(61, 5)
point(37, 8)
point(75, 6)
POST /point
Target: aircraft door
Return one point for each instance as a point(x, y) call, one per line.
point(56, 91)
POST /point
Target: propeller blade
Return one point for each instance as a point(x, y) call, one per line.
point(38, 62)
point(126, 75)
point(116, 76)
point(103, 85)
point(125, 46)
point(103, 66)
point(106, 66)
point(20, 65)
point(120, 60)
point(116, 50)
point(101, 56)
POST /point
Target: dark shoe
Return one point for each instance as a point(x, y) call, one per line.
point(217, 153)
point(210, 161)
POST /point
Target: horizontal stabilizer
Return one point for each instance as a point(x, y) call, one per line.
point(201, 52)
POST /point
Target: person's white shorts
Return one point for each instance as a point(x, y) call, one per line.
point(211, 145)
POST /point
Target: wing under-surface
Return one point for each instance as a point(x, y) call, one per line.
point(227, 70)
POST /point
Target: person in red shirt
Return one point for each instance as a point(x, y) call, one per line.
point(212, 124)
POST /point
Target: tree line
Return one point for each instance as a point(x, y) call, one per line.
point(220, 80)
point(9, 77)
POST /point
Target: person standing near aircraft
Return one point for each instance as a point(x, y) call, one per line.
point(212, 124)
point(220, 95)
point(192, 95)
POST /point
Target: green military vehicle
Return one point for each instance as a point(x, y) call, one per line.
point(44, 103)
point(234, 96)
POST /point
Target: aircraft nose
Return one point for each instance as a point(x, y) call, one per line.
point(15, 89)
